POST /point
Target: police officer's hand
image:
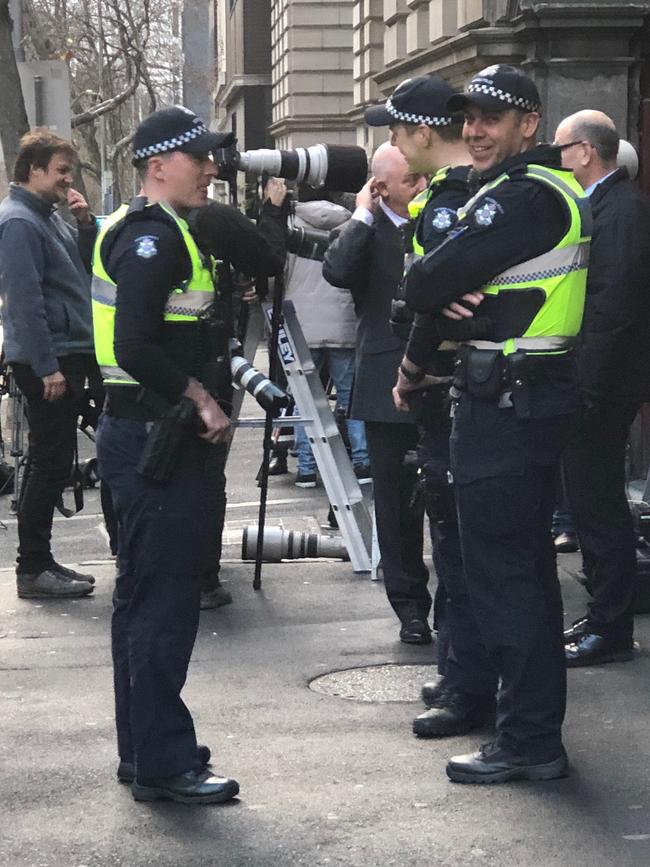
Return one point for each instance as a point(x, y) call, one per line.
point(54, 386)
point(458, 311)
point(275, 191)
point(368, 197)
point(403, 388)
point(216, 424)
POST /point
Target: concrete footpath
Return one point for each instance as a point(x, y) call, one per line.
point(324, 779)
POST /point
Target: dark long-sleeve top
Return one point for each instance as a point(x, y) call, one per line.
point(528, 219)
point(44, 282)
point(142, 343)
point(614, 356)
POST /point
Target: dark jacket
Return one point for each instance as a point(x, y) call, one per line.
point(44, 283)
point(369, 260)
point(615, 351)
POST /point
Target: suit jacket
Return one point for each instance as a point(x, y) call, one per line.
point(369, 261)
point(614, 358)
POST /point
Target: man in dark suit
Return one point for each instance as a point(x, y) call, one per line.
point(614, 366)
point(368, 259)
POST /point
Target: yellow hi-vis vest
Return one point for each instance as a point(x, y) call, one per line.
point(561, 272)
point(419, 203)
point(186, 303)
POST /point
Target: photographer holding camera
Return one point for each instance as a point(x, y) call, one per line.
point(226, 234)
point(164, 357)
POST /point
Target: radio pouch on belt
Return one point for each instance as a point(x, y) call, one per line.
point(484, 373)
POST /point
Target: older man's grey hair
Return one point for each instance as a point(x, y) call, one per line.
point(601, 135)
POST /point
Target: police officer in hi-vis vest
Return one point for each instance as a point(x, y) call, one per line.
point(430, 139)
point(522, 243)
point(152, 293)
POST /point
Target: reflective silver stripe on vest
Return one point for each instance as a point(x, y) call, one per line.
point(530, 343)
point(582, 202)
point(189, 303)
point(116, 373)
point(540, 172)
point(103, 292)
point(554, 263)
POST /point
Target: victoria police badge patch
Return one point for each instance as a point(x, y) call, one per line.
point(444, 219)
point(145, 246)
point(484, 216)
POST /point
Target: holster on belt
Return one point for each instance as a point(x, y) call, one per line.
point(163, 446)
point(481, 372)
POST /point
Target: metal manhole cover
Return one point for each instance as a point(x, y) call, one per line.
point(386, 682)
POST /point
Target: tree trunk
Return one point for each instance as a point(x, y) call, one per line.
point(13, 116)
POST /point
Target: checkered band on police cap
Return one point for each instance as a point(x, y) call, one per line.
point(173, 129)
point(171, 144)
point(416, 100)
point(499, 88)
point(504, 96)
point(409, 117)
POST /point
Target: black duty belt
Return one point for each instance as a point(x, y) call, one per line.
point(134, 402)
point(488, 374)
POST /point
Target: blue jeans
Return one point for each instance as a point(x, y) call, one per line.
point(341, 367)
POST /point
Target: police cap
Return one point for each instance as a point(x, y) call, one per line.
point(498, 88)
point(176, 129)
point(416, 100)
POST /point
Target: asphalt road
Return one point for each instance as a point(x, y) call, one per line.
point(324, 780)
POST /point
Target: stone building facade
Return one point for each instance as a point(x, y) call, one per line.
point(295, 72)
point(312, 72)
point(581, 53)
point(242, 52)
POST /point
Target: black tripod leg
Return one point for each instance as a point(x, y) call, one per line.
point(268, 429)
point(264, 489)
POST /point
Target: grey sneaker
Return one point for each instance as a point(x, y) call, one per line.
point(70, 573)
point(50, 584)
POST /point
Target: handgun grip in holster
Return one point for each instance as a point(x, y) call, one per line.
point(163, 446)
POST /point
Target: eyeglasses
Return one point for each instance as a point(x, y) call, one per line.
point(571, 144)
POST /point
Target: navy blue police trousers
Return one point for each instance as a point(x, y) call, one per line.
point(164, 531)
point(504, 473)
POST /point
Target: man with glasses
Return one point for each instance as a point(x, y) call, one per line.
point(521, 242)
point(614, 368)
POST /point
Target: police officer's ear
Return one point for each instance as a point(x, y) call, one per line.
point(529, 125)
point(156, 167)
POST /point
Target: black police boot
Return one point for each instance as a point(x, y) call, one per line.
point(453, 713)
point(192, 787)
point(491, 764)
point(431, 690)
point(126, 771)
